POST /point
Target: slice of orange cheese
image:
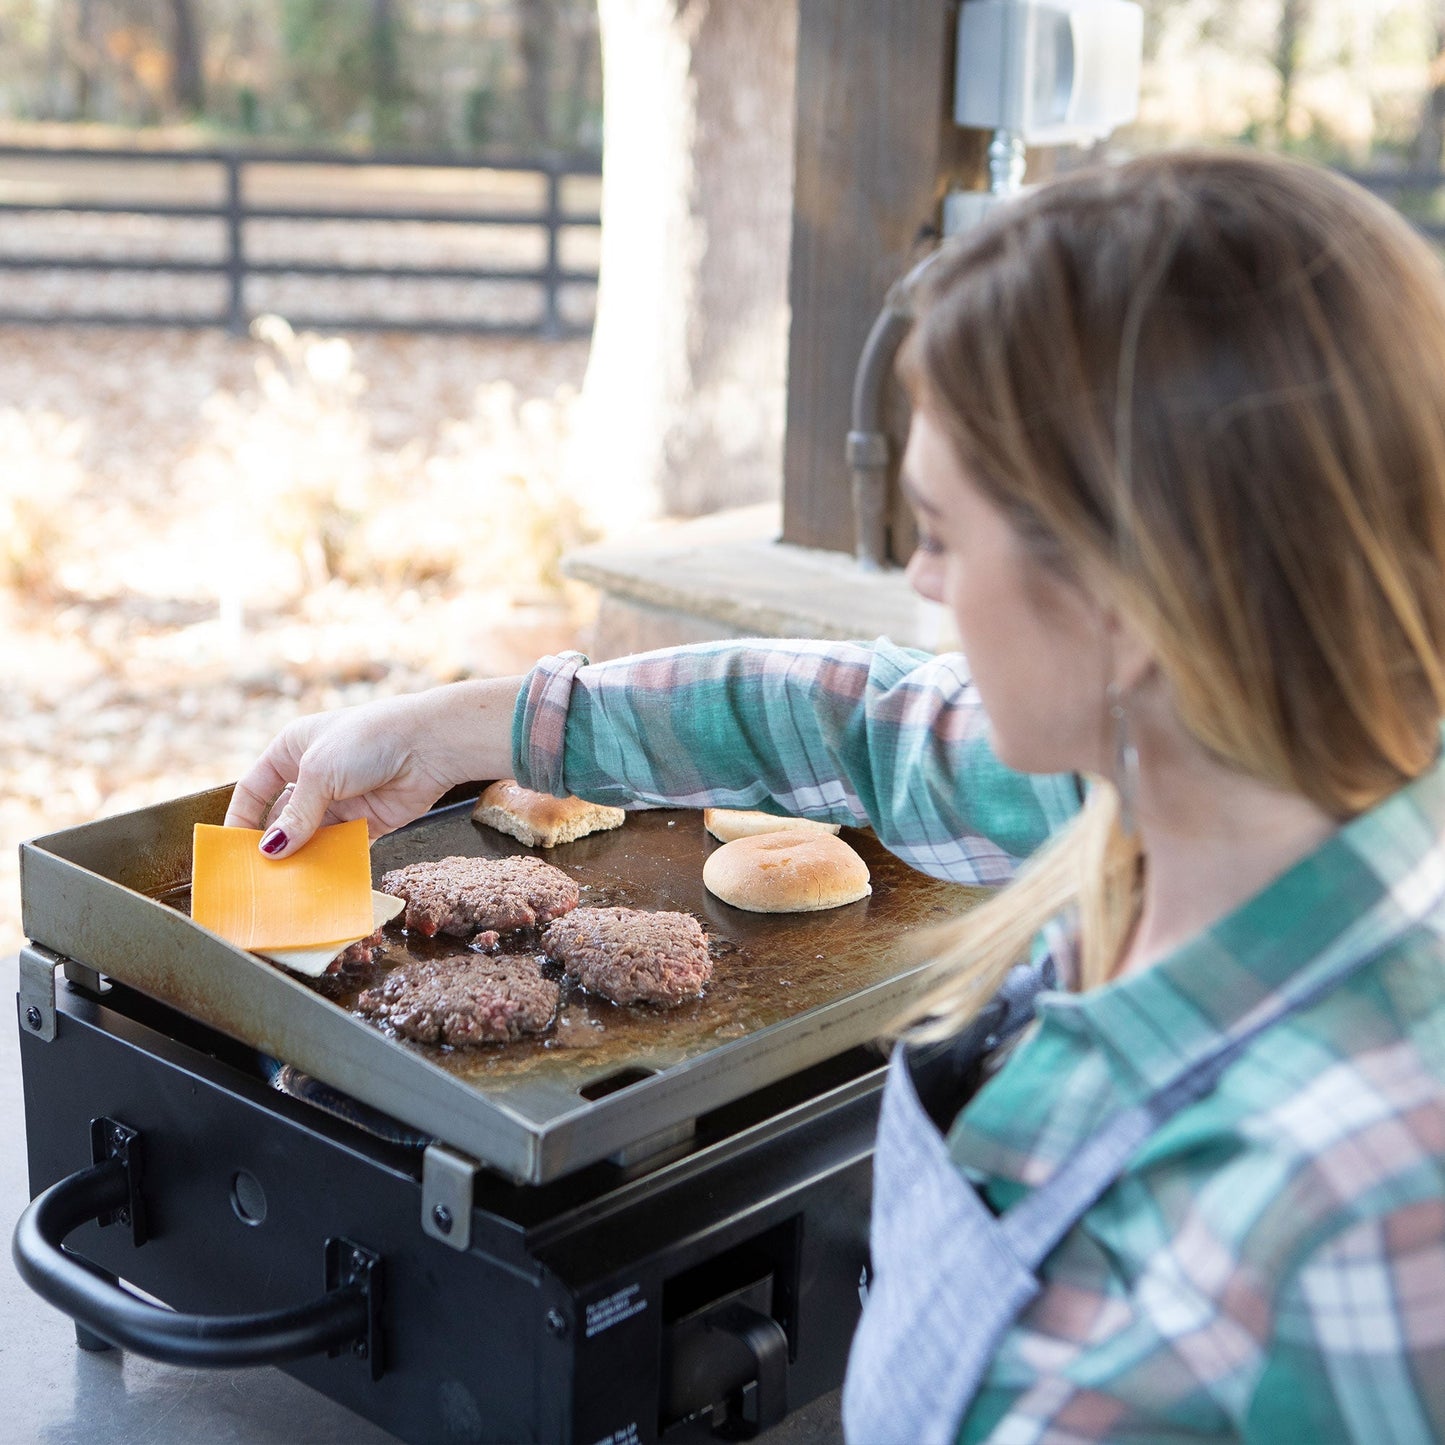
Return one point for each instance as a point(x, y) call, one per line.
point(313, 962)
point(320, 895)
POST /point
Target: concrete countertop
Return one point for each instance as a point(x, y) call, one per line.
point(727, 575)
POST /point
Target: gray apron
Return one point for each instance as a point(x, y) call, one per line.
point(950, 1277)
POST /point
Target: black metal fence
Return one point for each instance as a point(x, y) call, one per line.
point(235, 210)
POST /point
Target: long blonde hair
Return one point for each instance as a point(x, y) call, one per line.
point(1216, 382)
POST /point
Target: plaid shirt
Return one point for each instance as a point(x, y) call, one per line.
point(866, 735)
point(1271, 1265)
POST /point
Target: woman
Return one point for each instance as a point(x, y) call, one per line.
point(1178, 459)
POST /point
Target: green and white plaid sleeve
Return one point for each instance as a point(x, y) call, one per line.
point(848, 732)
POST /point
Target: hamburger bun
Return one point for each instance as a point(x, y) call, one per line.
point(540, 820)
point(725, 824)
point(787, 872)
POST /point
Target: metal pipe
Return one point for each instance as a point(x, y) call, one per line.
point(868, 451)
point(1007, 161)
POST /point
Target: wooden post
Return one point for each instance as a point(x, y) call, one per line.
point(876, 148)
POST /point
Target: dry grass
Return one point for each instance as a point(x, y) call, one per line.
point(201, 537)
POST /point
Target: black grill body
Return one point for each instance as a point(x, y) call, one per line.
point(687, 1295)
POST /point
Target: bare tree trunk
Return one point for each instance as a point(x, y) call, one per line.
point(385, 72)
point(684, 401)
point(1430, 139)
point(538, 24)
point(55, 78)
point(1294, 16)
point(83, 58)
point(580, 81)
point(188, 83)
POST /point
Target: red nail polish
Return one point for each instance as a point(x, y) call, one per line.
point(274, 841)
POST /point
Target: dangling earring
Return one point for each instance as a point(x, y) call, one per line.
point(1126, 761)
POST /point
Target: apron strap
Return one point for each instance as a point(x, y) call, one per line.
point(1045, 1215)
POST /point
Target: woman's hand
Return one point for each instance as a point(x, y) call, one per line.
point(385, 761)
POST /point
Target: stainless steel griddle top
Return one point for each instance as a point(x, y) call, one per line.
point(788, 990)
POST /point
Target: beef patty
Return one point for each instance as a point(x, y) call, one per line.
point(458, 896)
point(353, 967)
point(632, 956)
point(467, 999)
point(359, 956)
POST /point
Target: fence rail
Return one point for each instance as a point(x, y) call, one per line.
point(235, 211)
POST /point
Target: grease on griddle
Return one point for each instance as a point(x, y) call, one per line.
point(770, 968)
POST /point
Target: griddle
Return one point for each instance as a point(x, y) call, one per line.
point(608, 1082)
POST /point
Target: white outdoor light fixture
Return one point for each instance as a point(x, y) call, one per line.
point(1044, 73)
point(1034, 72)
point(1056, 72)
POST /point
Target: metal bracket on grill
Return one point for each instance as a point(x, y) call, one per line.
point(448, 1187)
point(110, 1139)
point(37, 991)
point(84, 977)
point(351, 1265)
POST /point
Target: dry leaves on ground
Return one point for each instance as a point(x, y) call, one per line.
point(201, 537)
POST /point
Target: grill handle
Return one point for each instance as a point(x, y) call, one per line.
point(345, 1318)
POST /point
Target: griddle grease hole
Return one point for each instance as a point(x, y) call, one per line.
point(615, 1083)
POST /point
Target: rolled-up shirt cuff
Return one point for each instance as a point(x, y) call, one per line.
point(539, 723)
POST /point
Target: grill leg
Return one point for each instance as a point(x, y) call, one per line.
point(89, 1341)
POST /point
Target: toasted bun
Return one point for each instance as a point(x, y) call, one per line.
point(725, 824)
point(540, 820)
point(787, 873)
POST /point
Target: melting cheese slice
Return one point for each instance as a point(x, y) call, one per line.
point(320, 895)
point(313, 962)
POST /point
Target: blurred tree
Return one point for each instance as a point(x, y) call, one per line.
point(345, 68)
point(578, 94)
point(83, 53)
point(1218, 22)
point(1294, 17)
point(188, 84)
point(414, 73)
point(537, 43)
point(683, 404)
point(387, 89)
point(329, 63)
point(1430, 139)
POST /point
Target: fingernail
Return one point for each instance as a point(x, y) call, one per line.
point(274, 841)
